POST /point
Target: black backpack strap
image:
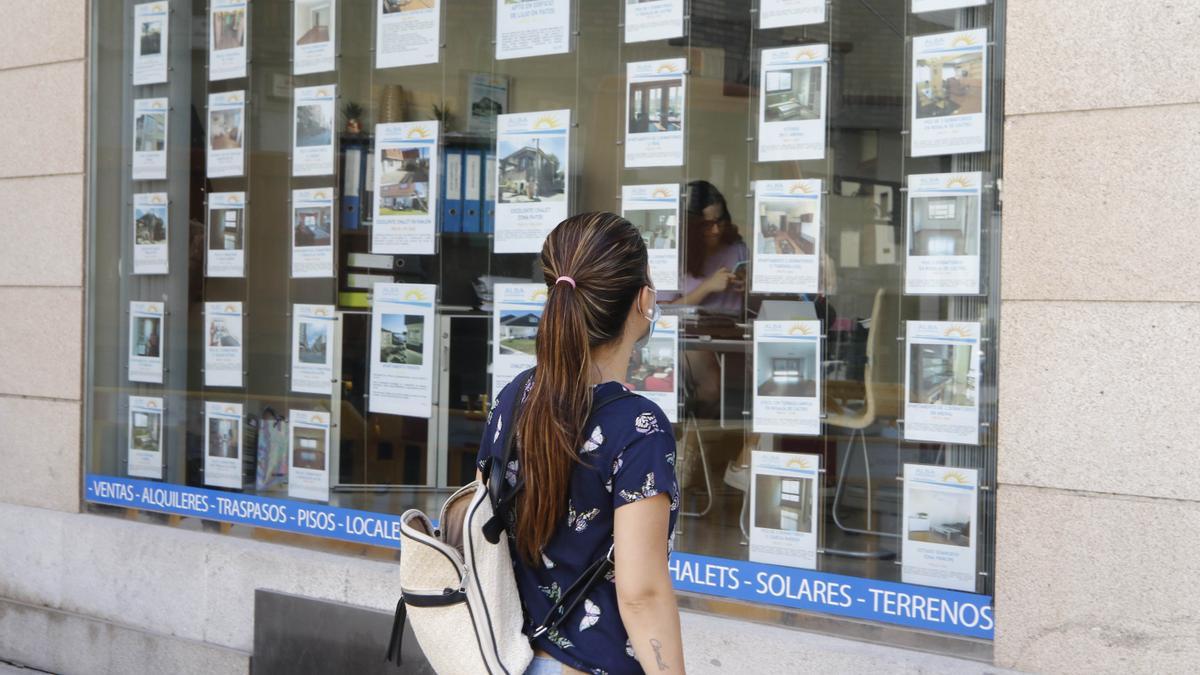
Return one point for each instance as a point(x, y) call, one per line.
point(501, 498)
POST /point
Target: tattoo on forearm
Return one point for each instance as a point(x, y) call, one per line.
point(658, 654)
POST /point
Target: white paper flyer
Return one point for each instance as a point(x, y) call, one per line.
point(532, 182)
point(313, 146)
point(407, 32)
point(314, 36)
point(654, 370)
point(784, 488)
point(145, 459)
point(226, 131)
point(780, 13)
point(314, 328)
point(226, 234)
point(150, 139)
point(406, 199)
point(792, 103)
point(787, 377)
point(654, 117)
point(487, 96)
point(223, 344)
point(654, 211)
point(944, 213)
point(647, 20)
point(919, 6)
point(941, 383)
point(949, 93)
point(223, 444)
point(787, 236)
point(941, 509)
point(146, 342)
point(515, 318)
point(532, 28)
point(308, 455)
point(150, 31)
point(150, 232)
point(227, 39)
point(312, 233)
point(402, 334)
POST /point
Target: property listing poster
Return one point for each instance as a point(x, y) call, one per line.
point(654, 370)
point(227, 39)
point(308, 455)
point(312, 151)
point(787, 379)
point(532, 185)
point(145, 458)
point(787, 236)
point(944, 214)
point(223, 444)
point(314, 36)
point(941, 382)
point(406, 199)
point(312, 233)
point(919, 6)
point(150, 31)
point(949, 95)
point(792, 103)
point(407, 33)
point(532, 28)
point(223, 344)
point(783, 508)
point(515, 319)
point(150, 250)
point(146, 341)
point(655, 95)
point(941, 516)
point(226, 234)
point(402, 349)
point(647, 20)
point(150, 139)
point(226, 129)
point(780, 13)
point(654, 211)
point(314, 328)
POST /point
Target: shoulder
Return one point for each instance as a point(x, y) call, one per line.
point(630, 415)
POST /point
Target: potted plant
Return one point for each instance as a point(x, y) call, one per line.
point(353, 114)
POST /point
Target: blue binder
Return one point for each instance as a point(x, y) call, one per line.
point(472, 191)
point(452, 190)
point(489, 191)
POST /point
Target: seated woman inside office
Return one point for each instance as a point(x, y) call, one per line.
point(712, 278)
point(711, 281)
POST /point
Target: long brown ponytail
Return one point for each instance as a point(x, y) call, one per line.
point(605, 256)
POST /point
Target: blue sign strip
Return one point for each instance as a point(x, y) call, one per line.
point(289, 515)
point(921, 607)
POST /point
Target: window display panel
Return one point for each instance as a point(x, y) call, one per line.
point(334, 268)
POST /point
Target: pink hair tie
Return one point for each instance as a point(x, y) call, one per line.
point(565, 278)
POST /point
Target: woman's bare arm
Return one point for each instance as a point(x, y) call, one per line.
point(645, 595)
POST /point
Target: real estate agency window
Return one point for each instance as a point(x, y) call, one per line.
point(313, 263)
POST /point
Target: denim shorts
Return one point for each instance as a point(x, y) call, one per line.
point(544, 665)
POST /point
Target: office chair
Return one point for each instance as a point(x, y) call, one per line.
point(857, 422)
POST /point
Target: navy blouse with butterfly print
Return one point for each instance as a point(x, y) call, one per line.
point(629, 455)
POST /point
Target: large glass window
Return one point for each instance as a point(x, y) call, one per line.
point(313, 264)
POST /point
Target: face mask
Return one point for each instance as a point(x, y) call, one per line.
point(653, 316)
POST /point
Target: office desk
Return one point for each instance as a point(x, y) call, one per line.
point(720, 347)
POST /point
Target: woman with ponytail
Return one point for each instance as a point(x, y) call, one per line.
point(598, 480)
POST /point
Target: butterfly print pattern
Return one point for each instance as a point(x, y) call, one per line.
point(646, 423)
point(594, 442)
point(647, 490)
point(591, 615)
point(579, 521)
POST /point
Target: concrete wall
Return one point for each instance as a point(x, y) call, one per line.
point(1099, 497)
